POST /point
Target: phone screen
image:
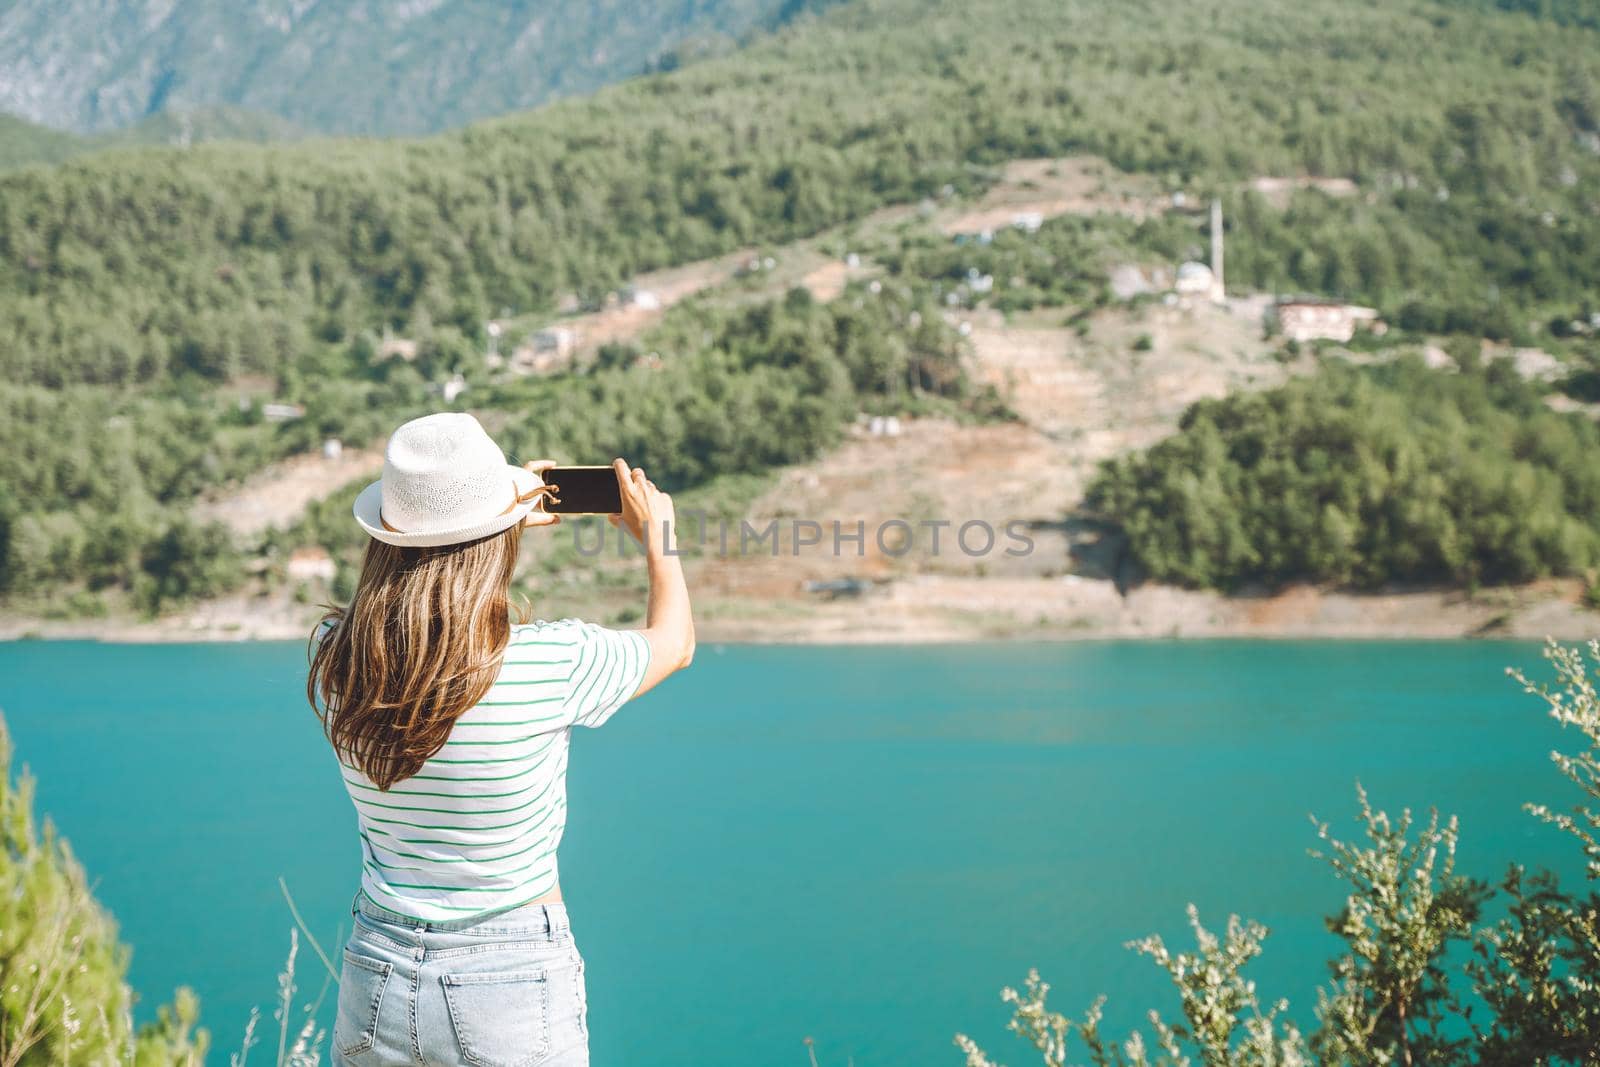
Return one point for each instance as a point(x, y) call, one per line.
point(583, 491)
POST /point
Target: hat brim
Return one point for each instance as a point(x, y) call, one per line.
point(369, 514)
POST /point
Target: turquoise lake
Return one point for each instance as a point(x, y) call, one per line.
point(856, 844)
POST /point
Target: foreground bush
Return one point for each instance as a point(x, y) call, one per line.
point(63, 991)
point(1528, 994)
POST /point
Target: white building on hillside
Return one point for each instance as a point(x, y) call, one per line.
point(1323, 320)
point(311, 564)
point(1195, 280)
point(557, 341)
point(643, 299)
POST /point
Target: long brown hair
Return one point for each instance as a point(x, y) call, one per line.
point(420, 643)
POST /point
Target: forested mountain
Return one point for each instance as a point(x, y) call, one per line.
point(341, 66)
point(1565, 12)
point(136, 285)
point(23, 143)
point(1482, 154)
point(1365, 476)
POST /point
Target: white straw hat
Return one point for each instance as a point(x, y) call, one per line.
point(444, 482)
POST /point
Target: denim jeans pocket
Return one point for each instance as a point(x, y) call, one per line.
point(501, 1020)
point(580, 989)
point(361, 985)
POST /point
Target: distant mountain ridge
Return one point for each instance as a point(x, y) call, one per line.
point(343, 66)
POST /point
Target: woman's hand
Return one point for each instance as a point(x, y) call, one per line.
point(647, 512)
point(648, 515)
point(538, 516)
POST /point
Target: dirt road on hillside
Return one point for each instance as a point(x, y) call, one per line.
point(1082, 394)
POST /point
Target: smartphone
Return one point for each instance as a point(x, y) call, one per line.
point(583, 491)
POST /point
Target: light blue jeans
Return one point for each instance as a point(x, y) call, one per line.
point(505, 990)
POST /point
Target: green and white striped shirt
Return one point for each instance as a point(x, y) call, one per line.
point(477, 828)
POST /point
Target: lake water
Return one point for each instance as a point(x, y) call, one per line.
point(857, 844)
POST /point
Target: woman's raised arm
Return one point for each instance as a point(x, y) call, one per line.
point(648, 515)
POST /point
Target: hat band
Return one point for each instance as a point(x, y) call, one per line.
point(516, 498)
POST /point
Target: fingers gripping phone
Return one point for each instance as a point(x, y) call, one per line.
point(583, 491)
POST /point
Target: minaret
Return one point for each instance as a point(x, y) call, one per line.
point(1219, 293)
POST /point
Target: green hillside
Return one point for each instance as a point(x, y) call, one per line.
point(1584, 13)
point(24, 143)
point(129, 267)
point(1365, 477)
point(138, 287)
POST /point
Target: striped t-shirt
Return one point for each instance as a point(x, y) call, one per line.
point(477, 828)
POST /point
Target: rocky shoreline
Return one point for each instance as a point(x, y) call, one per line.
point(927, 609)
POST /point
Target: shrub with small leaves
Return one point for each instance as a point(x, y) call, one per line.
point(1528, 994)
point(63, 994)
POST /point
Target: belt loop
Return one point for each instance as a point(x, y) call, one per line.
point(555, 922)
